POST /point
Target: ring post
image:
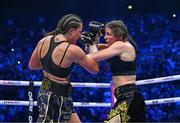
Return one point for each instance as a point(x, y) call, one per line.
point(31, 104)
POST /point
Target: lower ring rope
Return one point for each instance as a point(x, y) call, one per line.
point(92, 104)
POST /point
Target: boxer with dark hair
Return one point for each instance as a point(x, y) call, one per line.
point(56, 54)
point(120, 50)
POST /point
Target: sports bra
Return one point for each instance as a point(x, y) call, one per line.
point(48, 64)
point(120, 67)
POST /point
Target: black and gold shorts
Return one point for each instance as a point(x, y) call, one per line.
point(54, 102)
point(129, 107)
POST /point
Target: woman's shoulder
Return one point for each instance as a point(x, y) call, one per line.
point(75, 48)
point(119, 44)
point(122, 44)
point(45, 38)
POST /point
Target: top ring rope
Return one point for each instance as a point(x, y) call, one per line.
point(97, 85)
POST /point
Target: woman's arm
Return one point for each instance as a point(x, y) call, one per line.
point(102, 46)
point(115, 49)
point(85, 61)
point(35, 62)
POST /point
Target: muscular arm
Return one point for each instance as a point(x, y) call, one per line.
point(85, 61)
point(35, 63)
point(102, 46)
point(113, 50)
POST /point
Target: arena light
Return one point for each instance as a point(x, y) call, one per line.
point(19, 62)
point(174, 15)
point(12, 50)
point(129, 7)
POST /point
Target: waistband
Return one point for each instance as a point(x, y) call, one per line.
point(59, 89)
point(125, 90)
point(117, 73)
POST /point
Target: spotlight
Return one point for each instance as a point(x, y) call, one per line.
point(174, 15)
point(19, 62)
point(129, 7)
point(12, 50)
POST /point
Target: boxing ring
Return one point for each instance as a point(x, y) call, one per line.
point(32, 103)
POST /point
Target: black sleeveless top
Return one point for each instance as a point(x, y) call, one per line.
point(120, 67)
point(48, 64)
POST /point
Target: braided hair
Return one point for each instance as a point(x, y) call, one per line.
point(65, 23)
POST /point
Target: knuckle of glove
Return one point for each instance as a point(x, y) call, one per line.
point(87, 38)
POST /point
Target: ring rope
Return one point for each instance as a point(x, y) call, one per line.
point(97, 85)
point(92, 104)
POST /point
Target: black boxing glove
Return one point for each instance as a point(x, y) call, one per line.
point(97, 28)
point(87, 38)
